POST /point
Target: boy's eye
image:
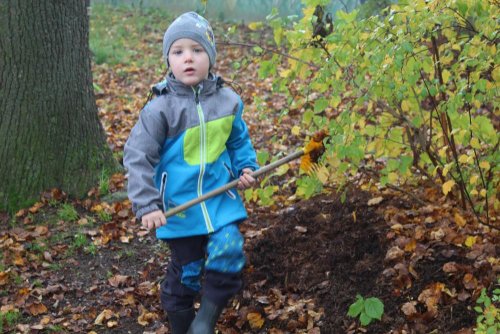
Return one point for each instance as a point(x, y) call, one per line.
point(198, 50)
point(177, 52)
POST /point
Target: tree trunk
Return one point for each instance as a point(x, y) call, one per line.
point(50, 133)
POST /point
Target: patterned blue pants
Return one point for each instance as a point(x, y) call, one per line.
point(219, 256)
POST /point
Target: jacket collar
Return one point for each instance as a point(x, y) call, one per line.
point(206, 87)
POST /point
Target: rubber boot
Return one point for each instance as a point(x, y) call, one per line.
point(206, 318)
point(181, 320)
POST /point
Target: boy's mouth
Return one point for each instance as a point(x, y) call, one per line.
point(189, 70)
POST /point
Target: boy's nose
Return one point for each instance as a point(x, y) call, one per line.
point(188, 56)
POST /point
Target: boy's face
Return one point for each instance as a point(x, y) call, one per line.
point(189, 61)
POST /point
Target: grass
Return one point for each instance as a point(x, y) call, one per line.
point(104, 183)
point(117, 32)
point(67, 213)
point(9, 318)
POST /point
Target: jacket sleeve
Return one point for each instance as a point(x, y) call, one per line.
point(141, 155)
point(239, 145)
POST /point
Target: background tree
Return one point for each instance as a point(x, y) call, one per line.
point(49, 127)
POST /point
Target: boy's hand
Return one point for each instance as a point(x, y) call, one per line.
point(154, 219)
point(246, 179)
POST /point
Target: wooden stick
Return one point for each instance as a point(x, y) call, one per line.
point(233, 184)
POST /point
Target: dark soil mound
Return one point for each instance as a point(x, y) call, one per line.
point(325, 252)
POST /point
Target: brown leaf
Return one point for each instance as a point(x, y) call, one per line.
point(431, 297)
point(145, 318)
point(35, 207)
point(459, 220)
point(470, 282)
point(36, 309)
point(118, 280)
point(394, 253)
point(409, 308)
point(4, 278)
point(255, 320)
point(375, 201)
point(104, 316)
point(450, 267)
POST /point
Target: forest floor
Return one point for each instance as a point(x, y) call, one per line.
point(87, 266)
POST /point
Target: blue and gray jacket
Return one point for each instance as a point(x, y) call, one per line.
point(187, 142)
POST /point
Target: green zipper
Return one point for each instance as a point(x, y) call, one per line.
point(203, 159)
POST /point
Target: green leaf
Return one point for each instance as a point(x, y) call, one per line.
point(320, 105)
point(406, 162)
point(357, 307)
point(257, 49)
point(262, 157)
point(374, 308)
point(492, 330)
point(365, 319)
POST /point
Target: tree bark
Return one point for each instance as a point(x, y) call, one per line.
point(50, 133)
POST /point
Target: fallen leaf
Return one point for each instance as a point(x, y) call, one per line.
point(301, 229)
point(394, 253)
point(36, 309)
point(431, 297)
point(410, 247)
point(146, 318)
point(470, 241)
point(112, 324)
point(409, 308)
point(470, 282)
point(375, 201)
point(450, 267)
point(118, 280)
point(459, 220)
point(4, 277)
point(447, 186)
point(104, 316)
point(255, 320)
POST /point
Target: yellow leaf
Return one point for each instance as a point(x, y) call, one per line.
point(338, 74)
point(447, 186)
point(446, 76)
point(470, 241)
point(459, 220)
point(405, 105)
point(483, 192)
point(474, 142)
point(463, 159)
point(285, 73)
point(296, 130)
point(255, 25)
point(484, 165)
point(496, 74)
point(255, 320)
point(392, 177)
point(442, 152)
point(446, 169)
point(473, 179)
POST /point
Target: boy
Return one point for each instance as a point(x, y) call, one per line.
point(190, 140)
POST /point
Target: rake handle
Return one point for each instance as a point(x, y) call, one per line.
point(232, 184)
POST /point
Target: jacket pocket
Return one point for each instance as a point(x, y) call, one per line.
point(162, 189)
point(229, 192)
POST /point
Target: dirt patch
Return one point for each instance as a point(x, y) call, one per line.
point(322, 253)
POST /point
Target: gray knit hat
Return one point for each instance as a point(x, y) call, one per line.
point(193, 26)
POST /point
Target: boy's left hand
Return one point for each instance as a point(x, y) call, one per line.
point(246, 179)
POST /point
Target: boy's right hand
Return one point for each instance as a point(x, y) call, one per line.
point(153, 219)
